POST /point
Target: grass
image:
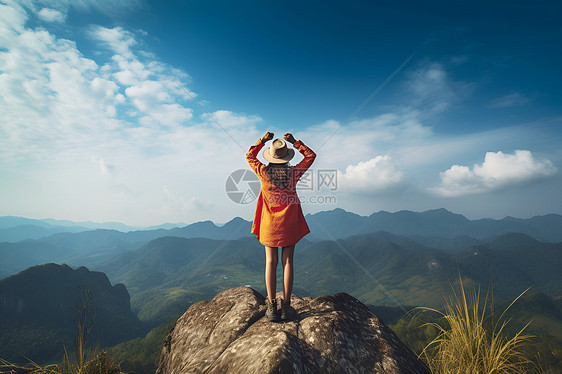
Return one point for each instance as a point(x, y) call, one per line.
point(99, 364)
point(471, 340)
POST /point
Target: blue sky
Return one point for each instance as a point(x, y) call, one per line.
point(139, 112)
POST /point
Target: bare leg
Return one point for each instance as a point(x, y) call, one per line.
point(288, 273)
point(271, 260)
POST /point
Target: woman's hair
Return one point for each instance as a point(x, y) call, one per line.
point(279, 174)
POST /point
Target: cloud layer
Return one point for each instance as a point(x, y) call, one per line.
point(105, 134)
point(499, 170)
point(371, 176)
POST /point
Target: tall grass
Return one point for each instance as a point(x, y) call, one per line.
point(87, 311)
point(471, 340)
point(99, 364)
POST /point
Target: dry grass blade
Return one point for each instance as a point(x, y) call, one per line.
point(467, 344)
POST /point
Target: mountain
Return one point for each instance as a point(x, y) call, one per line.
point(453, 244)
point(336, 223)
point(381, 268)
point(165, 226)
point(439, 222)
point(91, 247)
point(32, 231)
point(234, 229)
point(11, 221)
point(38, 314)
point(15, 257)
point(438, 229)
point(388, 269)
point(14, 229)
point(168, 274)
point(7, 222)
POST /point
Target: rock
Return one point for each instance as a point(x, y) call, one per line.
point(332, 334)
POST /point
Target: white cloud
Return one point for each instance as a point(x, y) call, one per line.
point(117, 39)
point(228, 119)
point(57, 108)
point(177, 205)
point(146, 93)
point(359, 140)
point(511, 100)
point(51, 15)
point(376, 174)
point(102, 166)
point(499, 170)
point(432, 89)
point(12, 20)
point(49, 91)
point(154, 100)
point(129, 71)
point(125, 77)
point(150, 86)
point(110, 8)
point(104, 169)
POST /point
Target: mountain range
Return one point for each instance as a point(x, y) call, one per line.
point(435, 228)
point(339, 223)
point(13, 229)
point(390, 260)
point(169, 273)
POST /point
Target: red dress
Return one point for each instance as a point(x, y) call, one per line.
point(279, 221)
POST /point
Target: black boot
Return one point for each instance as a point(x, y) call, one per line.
point(271, 312)
point(288, 313)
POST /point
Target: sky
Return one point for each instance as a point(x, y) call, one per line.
point(140, 111)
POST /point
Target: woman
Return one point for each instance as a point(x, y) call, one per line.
point(279, 221)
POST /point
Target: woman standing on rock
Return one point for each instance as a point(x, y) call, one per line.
point(279, 221)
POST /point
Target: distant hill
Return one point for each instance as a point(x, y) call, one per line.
point(38, 316)
point(11, 221)
point(166, 275)
point(23, 232)
point(339, 223)
point(438, 229)
point(14, 229)
point(169, 273)
point(95, 246)
point(418, 275)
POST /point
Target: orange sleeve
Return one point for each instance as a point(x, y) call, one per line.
point(252, 157)
point(309, 157)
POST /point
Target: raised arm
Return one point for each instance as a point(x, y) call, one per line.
point(252, 155)
point(308, 154)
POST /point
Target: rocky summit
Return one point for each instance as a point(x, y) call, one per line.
point(332, 334)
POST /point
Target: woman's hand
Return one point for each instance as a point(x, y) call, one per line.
point(268, 136)
point(289, 137)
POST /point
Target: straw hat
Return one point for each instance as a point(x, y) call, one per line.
point(278, 153)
